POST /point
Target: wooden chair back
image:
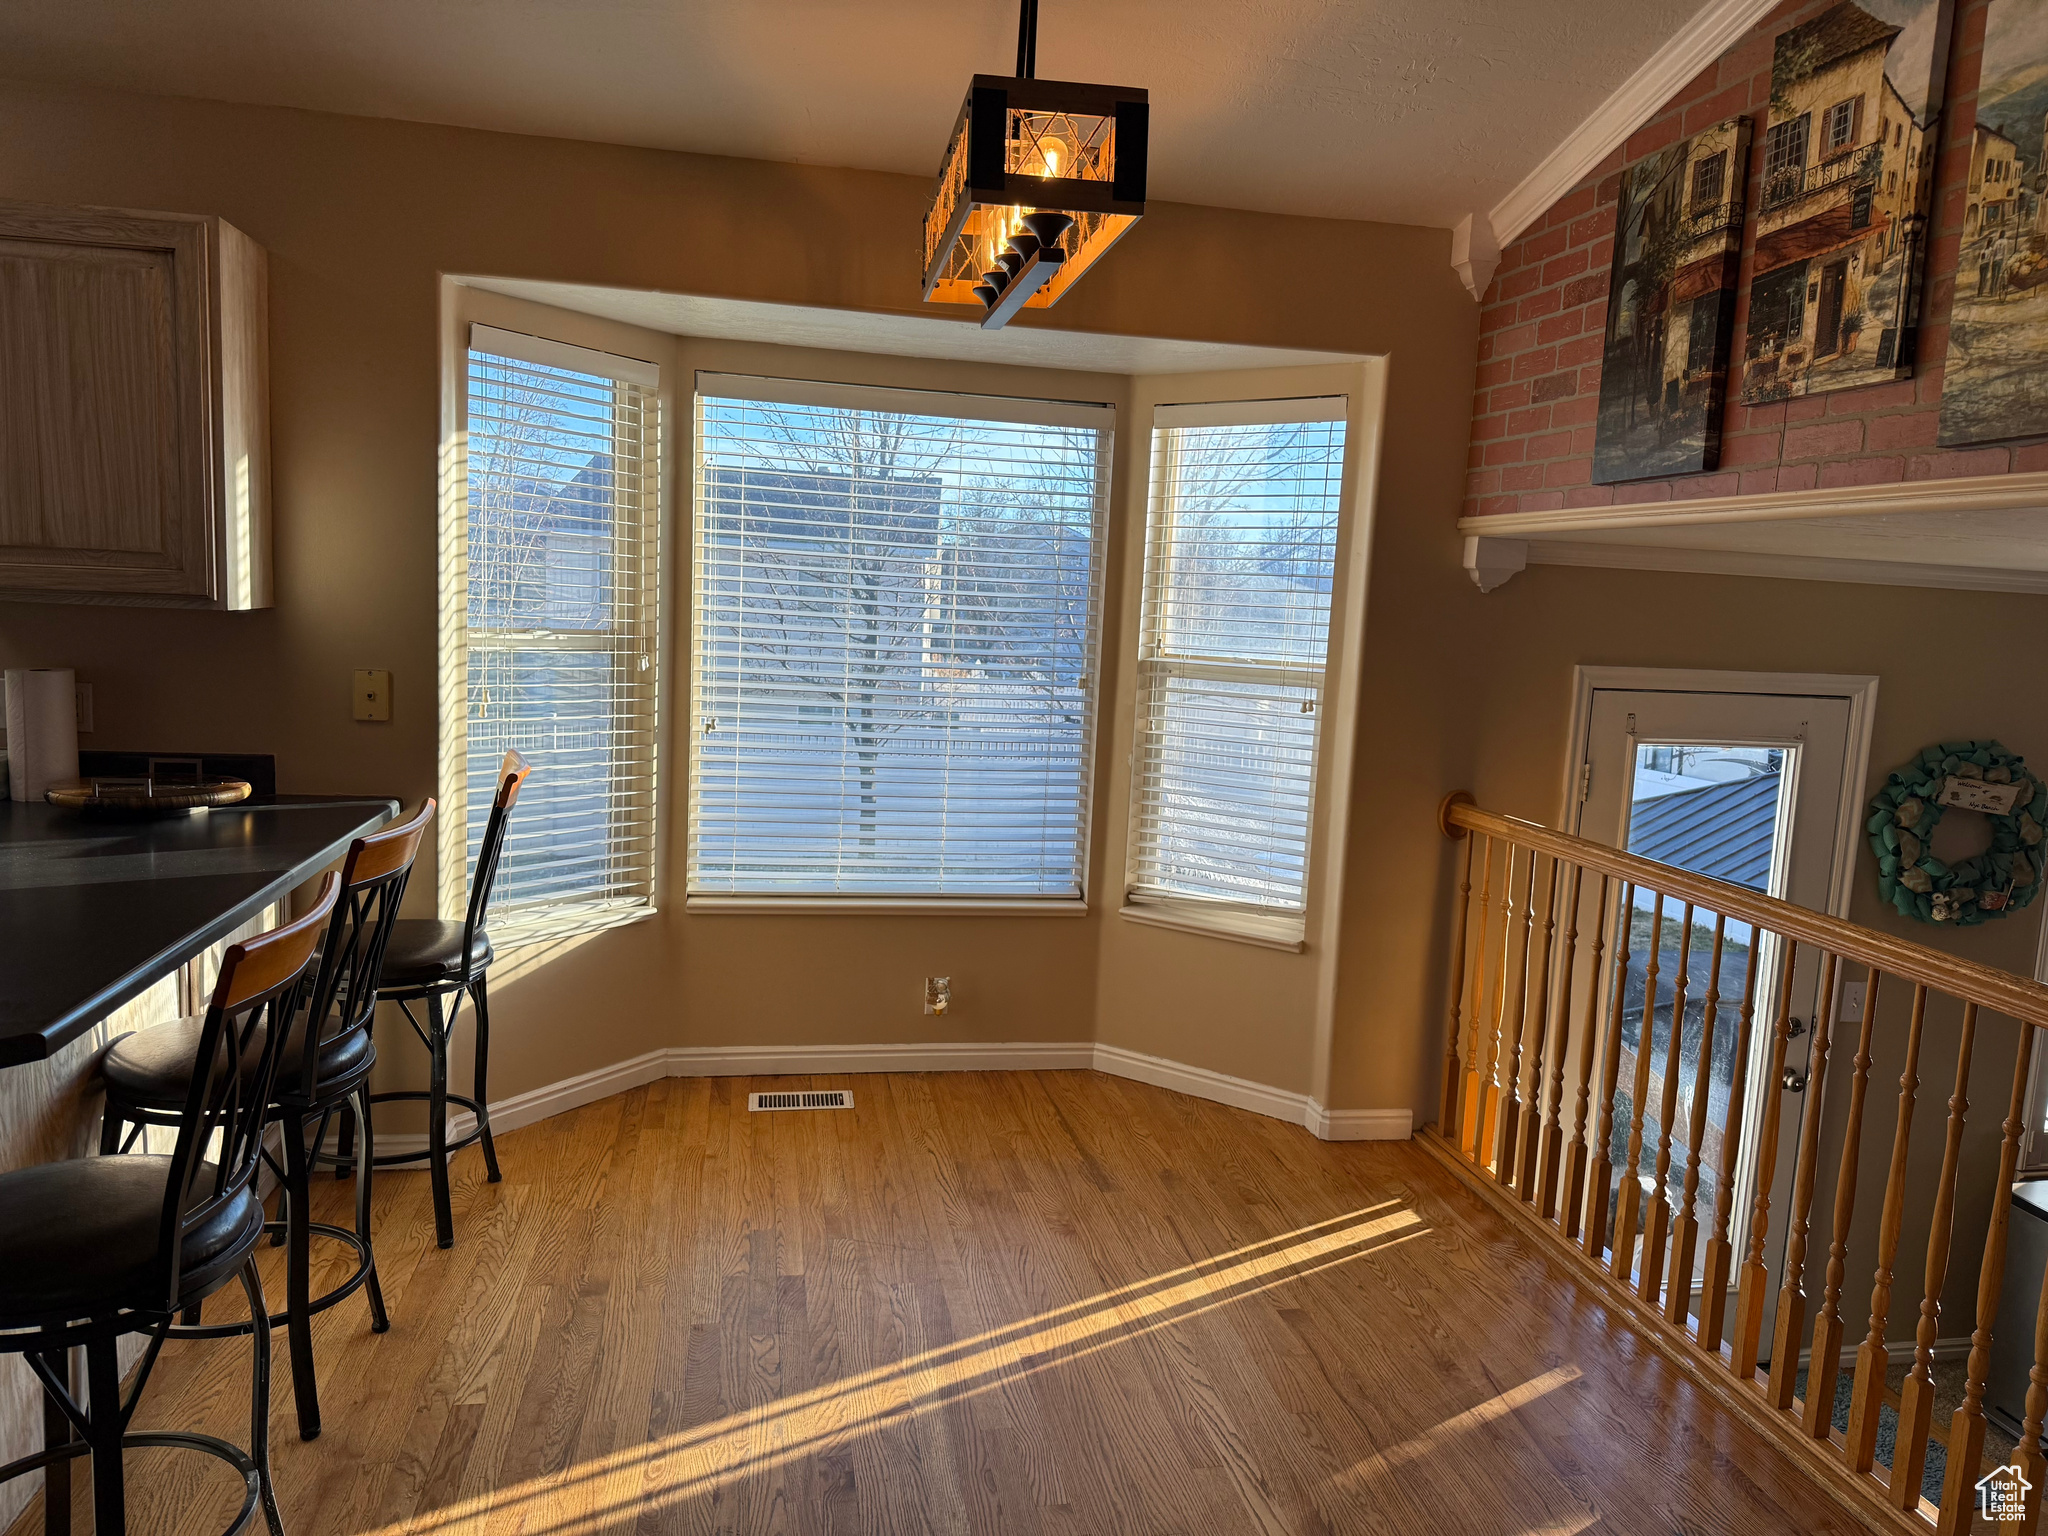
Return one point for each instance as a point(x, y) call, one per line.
point(263, 982)
point(373, 881)
point(511, 776)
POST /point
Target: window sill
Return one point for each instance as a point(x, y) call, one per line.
point(512, 932)
point(1244, 928)
point(872, 906)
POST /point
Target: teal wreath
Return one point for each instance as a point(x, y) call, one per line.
point(2004, 877)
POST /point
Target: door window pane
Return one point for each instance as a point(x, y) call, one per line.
point(1714, 811)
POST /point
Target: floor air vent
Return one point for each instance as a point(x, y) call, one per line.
point(830, 1098)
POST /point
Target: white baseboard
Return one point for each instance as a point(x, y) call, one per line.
point(1261, 1099)
point(963, 1056)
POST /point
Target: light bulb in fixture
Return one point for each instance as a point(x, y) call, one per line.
point(1055, 157)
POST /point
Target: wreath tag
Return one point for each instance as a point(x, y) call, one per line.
point(1962, 775)
point(1976, 795)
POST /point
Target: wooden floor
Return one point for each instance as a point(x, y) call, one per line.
point(978, 1302)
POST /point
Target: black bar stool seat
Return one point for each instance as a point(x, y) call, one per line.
point(152, 1067)
point(84, 1235)
point(425, 951)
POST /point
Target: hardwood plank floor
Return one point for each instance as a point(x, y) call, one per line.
point(1050, 1304)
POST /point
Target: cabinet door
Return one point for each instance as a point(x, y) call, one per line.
point(105, 409)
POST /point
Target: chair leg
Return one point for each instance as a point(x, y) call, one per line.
point(437, 1120)
point(345, 1147)
point(380, 1322)
point(298, 1301)
point(259, 1395)
point(284, 1211)
point(110, 1130)
point(56, 1433)
point(483, 1078)
point(109, 1495)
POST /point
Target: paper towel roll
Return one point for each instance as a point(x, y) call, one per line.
point(42, 729)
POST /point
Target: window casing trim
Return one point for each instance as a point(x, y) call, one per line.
point(1099, 417)
point(1274, 925)
point(526, 333)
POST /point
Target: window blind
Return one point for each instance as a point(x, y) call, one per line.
point(562, 577)
point(1234, 633)
point(897, 614)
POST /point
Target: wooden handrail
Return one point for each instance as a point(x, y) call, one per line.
point(2000, 991)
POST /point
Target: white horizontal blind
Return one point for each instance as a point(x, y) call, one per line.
point(563, 577)
point(1240, 559)
point(898, 606)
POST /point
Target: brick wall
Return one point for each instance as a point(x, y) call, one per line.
point(1545, 315)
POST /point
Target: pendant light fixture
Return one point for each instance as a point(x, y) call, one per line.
point(1040, 178)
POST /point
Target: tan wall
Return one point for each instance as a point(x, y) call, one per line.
point(360, 218)
point(1220, 1004)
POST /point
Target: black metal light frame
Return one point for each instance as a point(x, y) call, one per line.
point(1001, 231)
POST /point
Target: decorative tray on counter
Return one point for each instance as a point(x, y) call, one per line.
point(132, 797)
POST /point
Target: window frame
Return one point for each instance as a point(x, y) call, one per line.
point(1246, 922)
point(1715, 191)
point(1104, 417)
point(558, 339)
point(1847, 113)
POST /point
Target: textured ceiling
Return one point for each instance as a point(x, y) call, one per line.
point(1416, 111)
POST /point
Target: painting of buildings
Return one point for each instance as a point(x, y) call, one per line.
point(1996, 381)
point(1848, 179)
point(1671, 307)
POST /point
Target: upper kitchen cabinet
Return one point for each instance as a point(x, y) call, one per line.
point(134, 409)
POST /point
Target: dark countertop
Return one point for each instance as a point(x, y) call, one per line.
point(93, 912)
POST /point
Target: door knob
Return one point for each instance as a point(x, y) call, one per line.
point(1793, 1080)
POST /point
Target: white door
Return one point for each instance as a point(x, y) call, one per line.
point(1748, 788)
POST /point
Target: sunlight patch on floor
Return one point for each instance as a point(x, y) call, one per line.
point(697, 1461)
point(1442, 1436)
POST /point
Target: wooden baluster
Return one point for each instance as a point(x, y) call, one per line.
point(1825, 1367)
point(1657, 1232)
point(2027, 1454)
point(1489, 1074)
point(1576, 1147)
point(1916, 1397)
point(1553, 1137)
point(1511, 1039)
point(1685, 1226)
point(1469, 1095)
point(1629, 1202)
point(1966, 1428)
point(1791, 1298)
point(1529, 1142)
point(1719, 1255)
point(1873, 1359)
point(1610, 1071)
point(1448, 1122)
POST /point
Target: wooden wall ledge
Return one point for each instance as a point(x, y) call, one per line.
point(1987, 533)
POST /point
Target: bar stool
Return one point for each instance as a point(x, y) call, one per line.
point(429, 961)
point(326, 1067)
point(95, 1248)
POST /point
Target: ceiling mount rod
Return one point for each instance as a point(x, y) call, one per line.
point(1027, 39)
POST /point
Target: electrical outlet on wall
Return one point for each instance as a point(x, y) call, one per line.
point(84, 692)
point(1852, 1000)
point(938, 994)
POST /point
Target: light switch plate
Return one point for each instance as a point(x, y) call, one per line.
point(84, 691)
point(373, 694)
